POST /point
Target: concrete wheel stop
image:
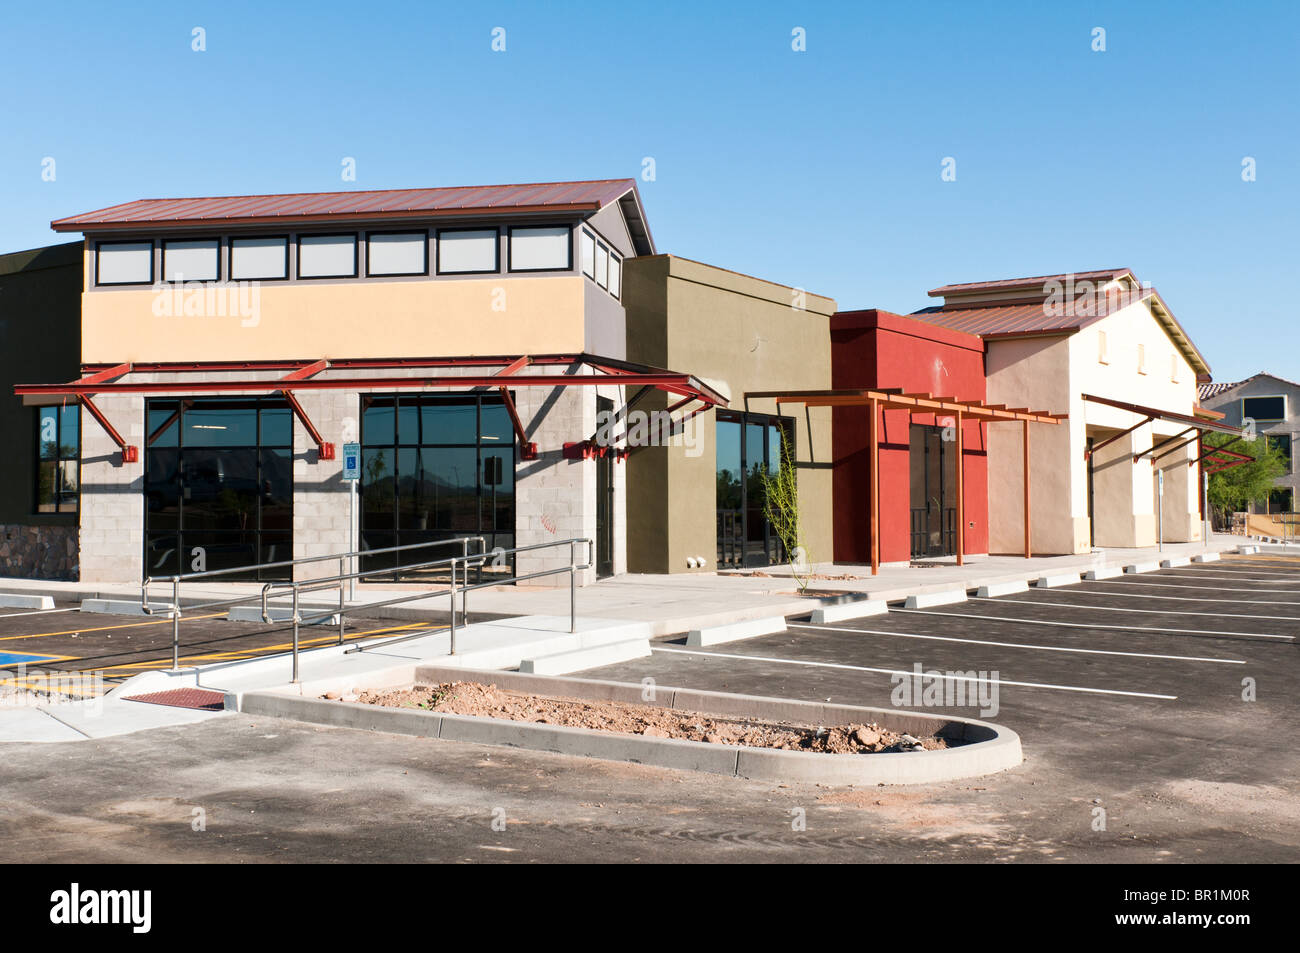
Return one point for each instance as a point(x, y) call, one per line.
point(984, 748)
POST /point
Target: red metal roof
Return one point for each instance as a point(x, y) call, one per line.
point(389, 203)
point(1105, 274)
point(1036, 317)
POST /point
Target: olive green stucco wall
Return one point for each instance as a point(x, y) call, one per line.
point(746, 335)
point(40, 342)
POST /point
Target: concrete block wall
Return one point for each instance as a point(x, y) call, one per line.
point(112, 494)
point(321, 517)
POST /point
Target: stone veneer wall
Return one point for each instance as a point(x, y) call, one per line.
point(38, 552)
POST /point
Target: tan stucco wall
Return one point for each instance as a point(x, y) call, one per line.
point(495, 315)
point(751, 335)
point(1052, 373)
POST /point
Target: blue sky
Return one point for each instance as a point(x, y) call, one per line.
point(818, 168)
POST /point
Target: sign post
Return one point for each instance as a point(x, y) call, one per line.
point(352, 473)
point(1160, 483)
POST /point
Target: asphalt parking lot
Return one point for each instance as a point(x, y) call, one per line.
point(66, 639)
point(1127, 695)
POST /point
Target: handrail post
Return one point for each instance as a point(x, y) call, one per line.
point(573, 589)
point(295, 633)
point(342, 605)
point(176, 623)
point(464, 594)
point(452, 590)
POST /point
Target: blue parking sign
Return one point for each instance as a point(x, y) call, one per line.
point(352, 461)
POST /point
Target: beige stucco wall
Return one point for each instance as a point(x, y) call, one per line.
point(749, 335)
point(356, 319)
point(1052, 373)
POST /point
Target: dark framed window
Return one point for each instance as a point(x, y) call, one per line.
point(218, 482)
point(748, 446)
point(327, 256)
point(436, 467)
point(58, 458)
point(124, 263)
point(260, 258)
point(1264, 408)
point(541, 248)
point(469, 251)
point(1281, 442)
point(191, 259)
point(397, 254)
point(587, 249)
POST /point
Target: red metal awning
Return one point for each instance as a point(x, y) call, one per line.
point(550, 370)
point(881, 399)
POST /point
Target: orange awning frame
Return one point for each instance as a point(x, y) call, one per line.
point(879, 400)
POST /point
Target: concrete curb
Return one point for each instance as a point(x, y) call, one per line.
point(1103, 572)
point(989, 748)
point(14, 601)
point(752, 628)
point(1175, 562)
point(594, 656)
point(1059, 579)
point(1002, 589)
point(924, 600)
point(124, 607)
point(1134, 568)
point(1205, 558)
point(857, 609)
point(280, 614)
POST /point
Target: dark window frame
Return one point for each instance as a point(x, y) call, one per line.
point(241, 238)
point(424, 243)
point(772, 549)
point(510, 249)
point(1281, 397)
point(163, 243)
point(59, 459)
point(356, 255)
point(496, 250)
point(153, 249)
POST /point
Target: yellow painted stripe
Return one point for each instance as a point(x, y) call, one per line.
point(107, 628)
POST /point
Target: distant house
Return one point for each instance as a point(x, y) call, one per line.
point(1273, 403)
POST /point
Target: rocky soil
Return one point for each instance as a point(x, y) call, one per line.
point(475, 698)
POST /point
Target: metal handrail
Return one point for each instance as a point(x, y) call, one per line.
point(465, 561)
point(174, 610)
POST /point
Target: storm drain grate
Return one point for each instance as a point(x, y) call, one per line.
point(199, 698)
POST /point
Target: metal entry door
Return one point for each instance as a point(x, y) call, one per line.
point(933, 471)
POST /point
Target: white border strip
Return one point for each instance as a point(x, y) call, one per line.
point(895, 671)
point(1076, 605)
point(1084, 625)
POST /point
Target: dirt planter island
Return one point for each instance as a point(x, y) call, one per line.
point(717, 732)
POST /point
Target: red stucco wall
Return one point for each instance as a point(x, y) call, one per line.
point(880, 349)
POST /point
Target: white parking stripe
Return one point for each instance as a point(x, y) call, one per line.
point(1224, 570)
point(1084, 625)
point(1021, 645)
point(1192, 588)
point(895, 671)
point(1239, 576)
point(1076, 605)
point(15, 615)
point(1147, 595)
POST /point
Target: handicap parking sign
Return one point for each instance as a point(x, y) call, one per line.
point(352, 461)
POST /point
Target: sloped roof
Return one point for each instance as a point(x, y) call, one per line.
point(1010, 284)
point(1034, 317)
point(1216, 388)
point(389, 203)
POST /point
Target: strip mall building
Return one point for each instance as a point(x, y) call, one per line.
point(521, 363)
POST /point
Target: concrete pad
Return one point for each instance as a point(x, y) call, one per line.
point(1134, 568)
point(857, 609)
point(1103, 572)
point(1206, 558)
point(1175, 562)
point(282, 614)
point(1058, 579)
point(13, 600)
point(713, 635)
point(34, 725)
point(124, 607)
point(924, 600)
point(1002, 588)
point(577, 660)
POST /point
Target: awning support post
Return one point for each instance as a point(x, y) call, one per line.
point(1025, 425)
point(961, 494)
point(873, 439)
